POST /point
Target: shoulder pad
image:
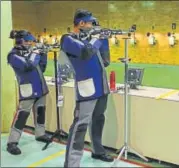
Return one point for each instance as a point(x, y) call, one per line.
point(64, 35)
point(69, 34)
point(10, 53)
point(15, 51)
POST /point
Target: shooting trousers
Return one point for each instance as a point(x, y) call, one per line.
point(22, 114)
point(87, 113)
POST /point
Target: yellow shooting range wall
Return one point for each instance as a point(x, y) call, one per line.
point(57, 16)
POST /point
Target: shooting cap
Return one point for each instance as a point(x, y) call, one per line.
point(21, 34)
point(83, 15)
point(29, 37)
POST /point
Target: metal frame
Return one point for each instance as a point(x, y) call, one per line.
point(59, 133)
point(126, 148)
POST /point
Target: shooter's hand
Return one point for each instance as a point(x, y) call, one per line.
point(36, 51)
point(85, 33)
point(96, 36)
point(84, 36)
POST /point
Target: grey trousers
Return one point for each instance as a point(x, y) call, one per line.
point(87, 113)
point(22, 115)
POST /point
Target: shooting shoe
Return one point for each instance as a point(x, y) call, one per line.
point(43, 138)
point(103, 157)
point(13, 149)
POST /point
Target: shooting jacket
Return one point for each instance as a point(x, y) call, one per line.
point(88, 59)
point(29, 68)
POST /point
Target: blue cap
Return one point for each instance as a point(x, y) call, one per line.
point(29, 37)
point(88, 18)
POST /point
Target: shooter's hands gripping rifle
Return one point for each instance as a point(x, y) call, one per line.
point(103, 32)
point(45, 48)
